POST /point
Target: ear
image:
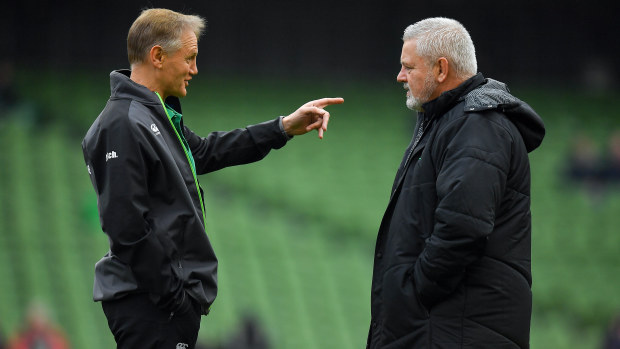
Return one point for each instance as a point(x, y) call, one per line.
point(157, 56)
point(442, 68)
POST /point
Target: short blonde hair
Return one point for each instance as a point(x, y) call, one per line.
point(161, 27)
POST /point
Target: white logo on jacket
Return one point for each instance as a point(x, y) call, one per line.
point(182, 346)
point(110, 155)
point(155, 129)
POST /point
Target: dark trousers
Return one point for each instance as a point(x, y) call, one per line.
point(136, 322)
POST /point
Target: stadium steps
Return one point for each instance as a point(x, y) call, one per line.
point(33, 282)
point(10, 278)
point(40, 234)
point(277, 266)
point(74, 248)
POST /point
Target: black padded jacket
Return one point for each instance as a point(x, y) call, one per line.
point(452, 257)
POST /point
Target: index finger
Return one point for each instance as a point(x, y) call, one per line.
point(324, 102)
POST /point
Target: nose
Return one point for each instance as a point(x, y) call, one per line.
point(193, 69)
point(402, 75)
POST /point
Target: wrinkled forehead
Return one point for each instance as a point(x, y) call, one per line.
point(409, 51)
point(189, 39)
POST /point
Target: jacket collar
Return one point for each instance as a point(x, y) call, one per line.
point(121, 86)
point(449, 99)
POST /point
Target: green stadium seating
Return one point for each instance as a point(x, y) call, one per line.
point(294, 233)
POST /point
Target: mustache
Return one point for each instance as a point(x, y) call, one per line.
point(405, 86)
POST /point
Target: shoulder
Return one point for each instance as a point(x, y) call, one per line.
point(122, 118)
point(487, 129)
point(127, 114)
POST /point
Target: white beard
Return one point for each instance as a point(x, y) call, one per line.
point(414, 103)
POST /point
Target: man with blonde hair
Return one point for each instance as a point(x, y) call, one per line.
point(452, 257)
point(160, 274)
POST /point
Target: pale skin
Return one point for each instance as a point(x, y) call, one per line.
point(414, 70)
point(169, 74)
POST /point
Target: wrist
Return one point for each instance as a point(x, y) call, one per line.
point(284, 126)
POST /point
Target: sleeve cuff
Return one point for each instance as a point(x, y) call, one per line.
point(282, 129)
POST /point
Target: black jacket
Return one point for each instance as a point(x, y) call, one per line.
point(149, 199)
point(452, 259)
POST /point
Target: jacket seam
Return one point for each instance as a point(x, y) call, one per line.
point(459, 116)
point(466, 215)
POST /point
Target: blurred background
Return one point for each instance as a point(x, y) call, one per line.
point(295, 232)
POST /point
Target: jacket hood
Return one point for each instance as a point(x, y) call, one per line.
point(495, 95)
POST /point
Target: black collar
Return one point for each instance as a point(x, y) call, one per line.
point(449, 99)
point(122, 86)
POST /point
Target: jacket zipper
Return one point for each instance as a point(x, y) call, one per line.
point(189, 162)
point(418, 136)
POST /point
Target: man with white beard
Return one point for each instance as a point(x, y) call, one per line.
point(452, 258)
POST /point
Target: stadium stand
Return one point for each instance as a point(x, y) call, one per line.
point(295, 232)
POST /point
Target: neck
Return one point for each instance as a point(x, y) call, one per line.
point(145, 76)
point(448, 84)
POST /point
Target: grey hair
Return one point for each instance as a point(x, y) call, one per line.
point(159, 27)
point(444, 37)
